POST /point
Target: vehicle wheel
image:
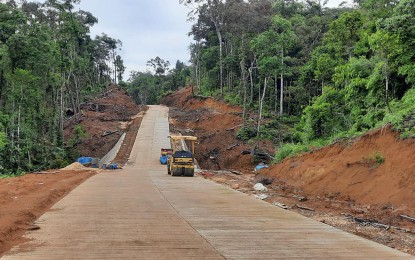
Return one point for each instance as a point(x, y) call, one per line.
point(189, 172)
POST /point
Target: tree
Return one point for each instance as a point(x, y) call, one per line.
point(159, 65)
point(214, 10)
point(119, 66)
point(271, 47)
point(48, 65)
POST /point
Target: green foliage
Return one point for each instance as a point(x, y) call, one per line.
point(403, 116)
point(79, 135)
point(345, 71)
point(327, 116)
point(233, 99)
point(48, 64)
point(149, 88)
point(290, 149)
point(246, 133)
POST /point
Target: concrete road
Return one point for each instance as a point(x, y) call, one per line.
point(142, 213)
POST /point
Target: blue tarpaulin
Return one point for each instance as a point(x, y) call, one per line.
point(261, 166)
point(112, 166)
point(84, 160)
point(163, 159)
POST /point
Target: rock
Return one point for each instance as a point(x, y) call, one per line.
point(260, 187)
point(33, 227)
point(219, 180)
point(235, 186)
point(261, 196)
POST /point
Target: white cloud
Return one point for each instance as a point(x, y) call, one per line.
point(147, 28)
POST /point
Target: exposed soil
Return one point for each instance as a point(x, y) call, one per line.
point(104, 120)
point(215, 124)
point(360, 186)
point(24, 199)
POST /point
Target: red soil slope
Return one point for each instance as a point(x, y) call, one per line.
point(351, 171)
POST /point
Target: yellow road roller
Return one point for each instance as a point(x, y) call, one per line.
point(181, 162)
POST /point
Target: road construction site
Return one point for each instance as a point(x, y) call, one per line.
point(141, 212)
point(301, 185)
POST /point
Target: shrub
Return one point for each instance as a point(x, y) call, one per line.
point(246, 133)
point(375, 158)
point(288, 150)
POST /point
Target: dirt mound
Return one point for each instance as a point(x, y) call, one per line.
point(183, 99)
point(76, 166)
point(377, 168)
point(104, 120)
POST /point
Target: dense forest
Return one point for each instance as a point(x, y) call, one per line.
point(147, 87)
point(307, 74)
point(49, 65)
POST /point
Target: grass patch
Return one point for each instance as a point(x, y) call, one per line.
point(375, 159)
point(289, 150)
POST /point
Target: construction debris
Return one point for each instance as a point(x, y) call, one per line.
point(262, 196)
point(281, 205)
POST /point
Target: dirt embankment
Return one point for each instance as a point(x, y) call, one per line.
point(24, 199)
point(361, 186)
point(215, 123)
point(104, 120)
point(377, 168)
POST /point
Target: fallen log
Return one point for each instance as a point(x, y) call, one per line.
point(236, 172)
point(232, 146)
point(302, 207)
point(300, 198)
point(106, 133)
point(407, 218)
point(232, 128)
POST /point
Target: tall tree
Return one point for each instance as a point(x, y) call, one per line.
point(214, 11)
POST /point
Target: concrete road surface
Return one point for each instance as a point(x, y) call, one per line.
point(142, 213)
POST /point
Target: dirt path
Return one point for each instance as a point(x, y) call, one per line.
point(141, 212)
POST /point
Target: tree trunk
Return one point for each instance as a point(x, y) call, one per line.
point(219, 34)
point(387, 88)
point(261, 101)
point(282, 84)
point(252, 86)
point(243, 80)
point(115, 66)
point(252, 81)
point(276, 93)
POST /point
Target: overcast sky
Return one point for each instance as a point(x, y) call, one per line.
point(147, 28)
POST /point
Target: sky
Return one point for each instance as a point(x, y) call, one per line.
point(147, 29)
